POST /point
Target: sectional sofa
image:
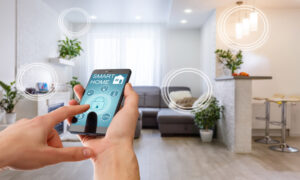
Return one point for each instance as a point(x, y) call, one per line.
point(154, 113)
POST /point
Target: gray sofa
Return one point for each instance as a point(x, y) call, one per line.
point(154, 113)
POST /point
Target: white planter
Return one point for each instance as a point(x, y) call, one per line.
point(66, 62)
point(206, 135)
point(10, 118)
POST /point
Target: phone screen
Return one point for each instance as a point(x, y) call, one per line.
point(103, 93)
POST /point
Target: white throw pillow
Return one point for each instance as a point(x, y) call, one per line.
point(177, 95)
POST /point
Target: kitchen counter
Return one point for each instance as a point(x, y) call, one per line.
point(235, 128)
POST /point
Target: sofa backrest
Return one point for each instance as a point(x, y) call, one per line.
point(171, 89)
point(149, 96)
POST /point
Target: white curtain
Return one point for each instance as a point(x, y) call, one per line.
point(134, 46)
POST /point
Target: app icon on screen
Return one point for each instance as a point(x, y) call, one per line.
point(118, 79)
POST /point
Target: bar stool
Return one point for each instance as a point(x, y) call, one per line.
point(283, 146)
point(266, 139)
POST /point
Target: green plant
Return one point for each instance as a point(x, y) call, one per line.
point(69, 48)
point(208, 117)
point(230, 60)
point(73, 83)
point(10, 98)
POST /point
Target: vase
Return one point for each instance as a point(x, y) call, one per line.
point(226, 71)
point(10, 118)
point(206, 135)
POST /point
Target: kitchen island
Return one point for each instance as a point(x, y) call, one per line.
point(235, 127)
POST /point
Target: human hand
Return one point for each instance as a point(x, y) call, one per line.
point(34, 143)
point(114, 154)
point(121, 129)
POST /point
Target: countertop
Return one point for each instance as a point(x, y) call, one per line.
point(243, 78)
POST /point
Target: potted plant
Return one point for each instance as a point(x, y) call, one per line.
point(207, 118)
point(229, 59)
point(9, 100)
point(69, 48)
point(73, 83)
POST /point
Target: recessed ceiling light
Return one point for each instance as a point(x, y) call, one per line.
point(138, 17)
point(93, 17)
point(188, 11)
point(183, 21)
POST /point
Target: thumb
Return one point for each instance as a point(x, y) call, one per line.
point(69, 154)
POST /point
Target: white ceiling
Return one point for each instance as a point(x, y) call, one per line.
point(170, 12)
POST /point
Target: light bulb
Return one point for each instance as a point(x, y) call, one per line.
point(253, 21)
point(246, 26)
point(239, 30)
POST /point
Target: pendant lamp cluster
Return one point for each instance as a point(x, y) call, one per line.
point(247, 22)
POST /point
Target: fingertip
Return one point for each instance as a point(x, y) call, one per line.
point(78, 87)
point(73, 102)
point(87, 153)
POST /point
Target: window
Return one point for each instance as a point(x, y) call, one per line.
point(130, 47)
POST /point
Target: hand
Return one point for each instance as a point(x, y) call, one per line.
point(116, 147)
point(34, 143)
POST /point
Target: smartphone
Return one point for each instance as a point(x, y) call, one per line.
point(104, 94)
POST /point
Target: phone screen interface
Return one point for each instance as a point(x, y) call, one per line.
point(102, 93)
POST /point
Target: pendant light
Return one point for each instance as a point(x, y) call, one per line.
point(239, 25)
point(253, 19)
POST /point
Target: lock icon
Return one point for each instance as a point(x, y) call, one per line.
point(98, 104)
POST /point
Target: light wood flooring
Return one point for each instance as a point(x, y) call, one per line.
point(184, 158)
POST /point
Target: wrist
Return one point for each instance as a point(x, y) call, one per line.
point(114, 153)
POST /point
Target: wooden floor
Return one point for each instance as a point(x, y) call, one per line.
point(184, 158)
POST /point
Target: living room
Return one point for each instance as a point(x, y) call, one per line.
point(216, 80)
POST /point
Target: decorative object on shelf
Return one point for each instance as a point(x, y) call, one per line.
point(69, 48)
point(9, 100)
point(247, 24)
point(207, 118)
point(230, 60)
point(43, 87)
point(73, 83)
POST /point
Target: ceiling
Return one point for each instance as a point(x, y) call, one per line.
point(170, 12)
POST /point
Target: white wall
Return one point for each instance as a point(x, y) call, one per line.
point(37, 33)
point(7, 40)
point(183, 51)
point(208, 46)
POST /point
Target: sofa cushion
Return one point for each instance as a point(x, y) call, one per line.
point(171, 89)
point(149, 111)
point(149, 96)
point(169, 116)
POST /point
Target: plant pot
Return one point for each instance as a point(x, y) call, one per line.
point(10, 118)
point(206, 135)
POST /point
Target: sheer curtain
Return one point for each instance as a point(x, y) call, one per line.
point(134, 46)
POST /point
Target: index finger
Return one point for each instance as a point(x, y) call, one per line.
point(63, 113)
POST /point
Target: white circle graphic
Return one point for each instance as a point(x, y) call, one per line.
point(70, 32)
point(237, 45)
point(201, 103)
point(41, 66)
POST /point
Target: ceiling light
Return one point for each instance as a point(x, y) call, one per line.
point(93, 17)
point(138, 17)
point(188, 11)
point(183, 21)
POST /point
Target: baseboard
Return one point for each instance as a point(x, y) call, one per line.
point(273, 132)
